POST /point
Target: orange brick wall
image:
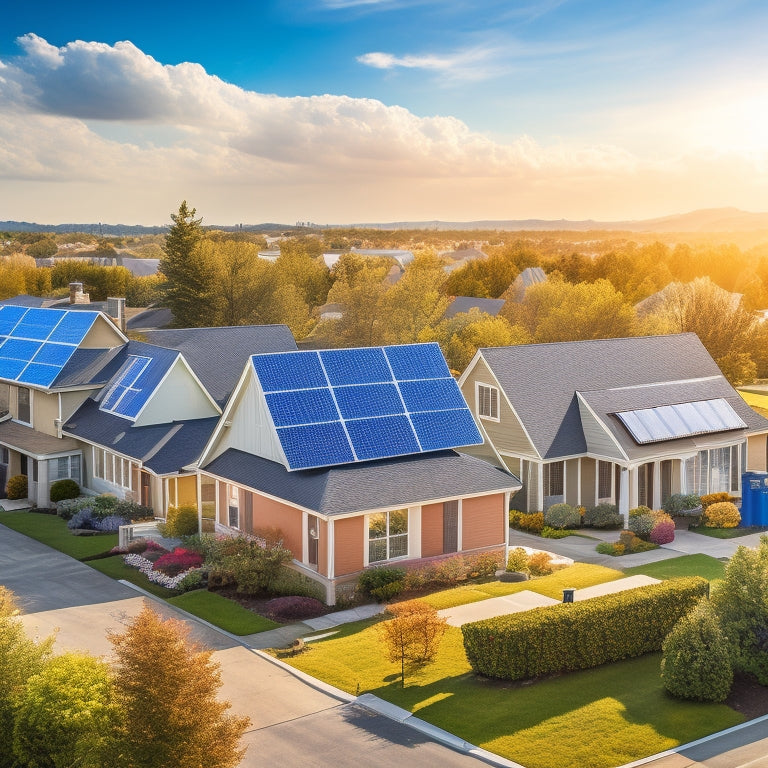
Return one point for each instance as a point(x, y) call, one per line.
point(349, 537)
point(483, 521)
point(431, 530)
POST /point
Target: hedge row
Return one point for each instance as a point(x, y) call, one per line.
point(581, 635)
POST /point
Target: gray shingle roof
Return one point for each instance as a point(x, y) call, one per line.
point(466, 303)
point(218, 355)
point(372, 485)
point(541, 380)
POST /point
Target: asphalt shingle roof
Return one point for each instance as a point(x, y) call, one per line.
point(218, 355)
point(541, 381)
point(465, 303)
point(372, 485)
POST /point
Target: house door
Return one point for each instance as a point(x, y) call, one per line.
point(313, 537)
point(645, 485)
point(146, 489)
point(450, 526)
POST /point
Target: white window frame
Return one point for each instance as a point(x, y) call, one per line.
point(388, 537)
point(112, 469)
point(69, 475)
point(487, 394)
point(233, 494)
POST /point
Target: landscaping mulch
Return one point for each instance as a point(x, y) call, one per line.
point(748, 697)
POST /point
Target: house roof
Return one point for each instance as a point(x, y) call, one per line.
point(218, 355)
point(32, 442)
point(528, 277)
point(153, 318)
point(541, 382)
point(139, 267)
point(25, 300)
point(381, 484)
point(162, 448)
point(466, 303)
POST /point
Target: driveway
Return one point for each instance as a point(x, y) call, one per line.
point(293, 722)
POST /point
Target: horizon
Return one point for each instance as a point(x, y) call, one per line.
point(382, 111)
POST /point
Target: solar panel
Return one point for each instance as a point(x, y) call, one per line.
point(670, 422)
point(346, 405)
point(130, 389)
point(37, 343)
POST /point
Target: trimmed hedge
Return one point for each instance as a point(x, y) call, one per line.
point(567, 637)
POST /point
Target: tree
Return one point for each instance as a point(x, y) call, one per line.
point(696, 662)
point(189, 272)
point(20, 659)
point(166, 687)
point(413, 636)
point(740, 601)
point(65, 716)
point(43, 248)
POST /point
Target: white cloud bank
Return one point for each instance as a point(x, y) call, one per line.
point(92, 131)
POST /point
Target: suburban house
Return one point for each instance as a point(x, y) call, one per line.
point(625, 421)
point(351, 454)
point(528, 277)
point(117, 416)
point(463, 304)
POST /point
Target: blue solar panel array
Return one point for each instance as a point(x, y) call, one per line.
point(132, 386)
point(36, 344)
point(345, 405)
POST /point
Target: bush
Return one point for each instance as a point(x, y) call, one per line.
point(193, 580)
point(540, 564)
point(293, 608)
point(109, 524)
point(722, 514)
point(82, 519)
point(17, 487)
point(292, 583)
point(714, 498)
point(663, 531)
point(603, 516)
point(517, 560)
point(253, 568)
point(569, 636)
point(64, 489)
point(562, 516)
point(554, 533)
point(696, 663)
point(614, 550)
point(178, 561)
point(104, 506)
point(680, 503)
point(481, 566)
point(641, 522)
point(180, 521)
point(373, 580)
point(532, 522)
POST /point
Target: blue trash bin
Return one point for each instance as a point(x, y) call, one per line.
point(754, 498)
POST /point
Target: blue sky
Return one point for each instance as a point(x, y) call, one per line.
point(377, 110)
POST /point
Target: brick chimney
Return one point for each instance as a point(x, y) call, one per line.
point(76, 295)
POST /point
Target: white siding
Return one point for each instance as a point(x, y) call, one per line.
point(599, 441)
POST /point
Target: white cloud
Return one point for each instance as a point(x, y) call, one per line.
point(92, 131)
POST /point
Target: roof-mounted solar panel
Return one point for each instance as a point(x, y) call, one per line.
point(670, 422)
point(131, 387)
point(346, 405)
point(36, 344)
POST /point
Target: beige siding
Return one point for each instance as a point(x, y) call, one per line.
point(187, 490)
point(71, 401)
point(431, 530)
point(572, 482)
point(45, 411)
point(178, 398)
point(483, 520)
point(756, 459)
point(349, 539)
point(598, 440)
point(507, 434)
point(588, 482)
point(103, 335)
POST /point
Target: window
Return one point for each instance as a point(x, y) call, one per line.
point(553, 479)
point(64, 467)
point(604, 480)
point(387, 535)
point(487, 402)
point(208, 497)
point(23, 405)
point(234, 506)
point(112, 469)
point(713, 471)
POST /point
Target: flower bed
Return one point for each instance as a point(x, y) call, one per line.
point(147, 567)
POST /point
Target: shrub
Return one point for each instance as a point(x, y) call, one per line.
point(293, 608)
point(532, 522)
point(109, 524)
point(562, 516)
point(17, 487)
point(663, 531)
point(554, 533)
point(641, 522)
point(178, 561)
point(569, 636)
point(292, 583)
point(517, 560)
point(82, 519)
point(614, 550)
point(378, 577)
point(254, 567)
point(539, 564)
point(603, 516)
point(64, 489)
point(680, 503)
point(136, 546)
point(181, 521)
point(190, 581)
point(722, 514)
point(696, 663)
point(714, 498)
point(481, 566)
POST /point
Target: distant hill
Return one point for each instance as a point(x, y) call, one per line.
point(704, 220)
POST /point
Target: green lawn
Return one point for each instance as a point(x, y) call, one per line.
point(686, 565)
point(592, 719)
point(219, 611)
point(726, 533)
point(52, 531)
point(115, 568)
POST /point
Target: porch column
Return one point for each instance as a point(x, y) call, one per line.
point(656, 485)
point(539, 487)
point(331, 548)
point(624, 495)
point(632, 487)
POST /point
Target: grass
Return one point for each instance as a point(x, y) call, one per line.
point(219, 610)
point(115, 568)
point(593, 719)
point(726, 533)
point(686, 565)
point(52, 531)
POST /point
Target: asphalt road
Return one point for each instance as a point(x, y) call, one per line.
point(293, 723)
